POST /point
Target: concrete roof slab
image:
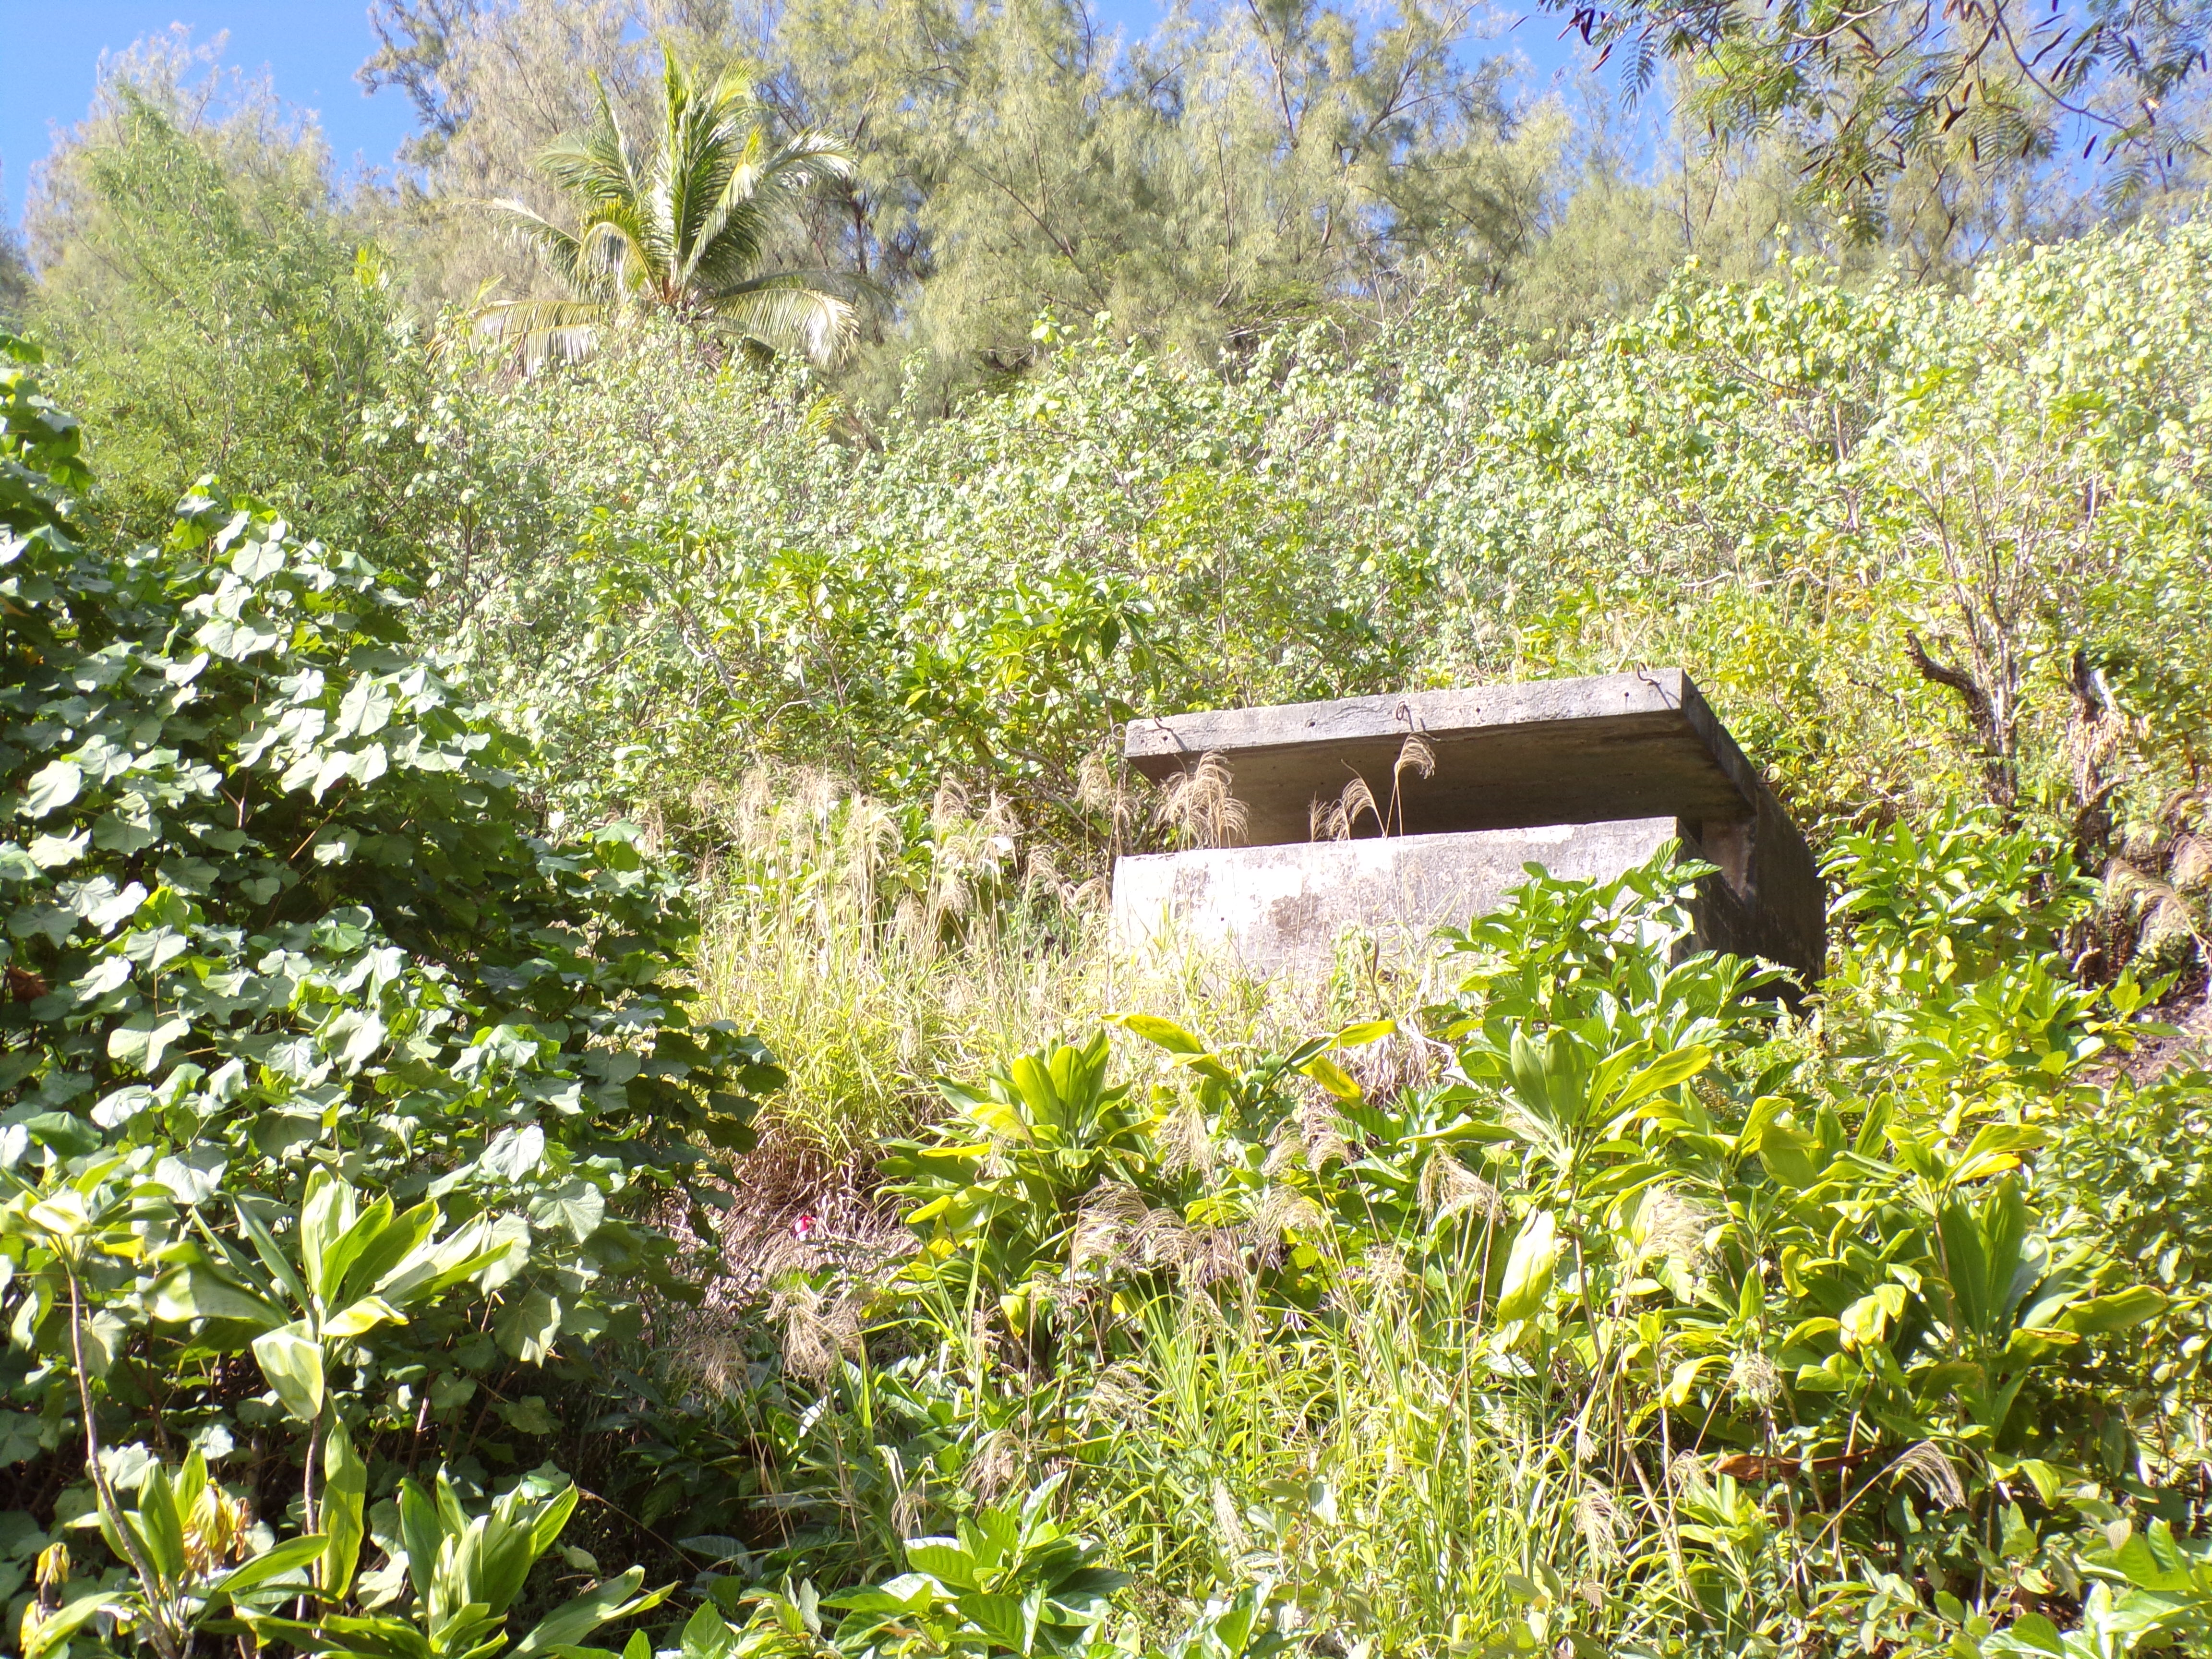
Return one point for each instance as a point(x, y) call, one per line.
point(1634, 745)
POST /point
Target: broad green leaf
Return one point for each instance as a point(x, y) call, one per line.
point(571, 1622)
point(358, 1317)
point(54, 851)
point(1787, 1156)
point(273, 1258)
point(2100, 1314)
point(382, 1253)
point(1866, 1322)
point(437, 1264)
point(2032, 1630)
point(419, 1530)
point(51, 1630)
point(337, 1637)
point(326, 1215)
point(51, 787)
point(706, 1635)
point(198, 1291)
point(529, 1326)
point(1161, 1033)
point(1665, 1072)
point(1008, 1621)
point(943, 1560)
point(292, 1360)
point(1529, 1269)
point(1001, 1120)
point(276, 1562)
point(192, 1480)
point(345, 1490)
point(552, 1520)
point(159, 1526)
point(1549, 1080)
point(1208, 1066)
point(142, 1041)
point(337, 1262)
point(1994, 1150)
point(1334, 1078)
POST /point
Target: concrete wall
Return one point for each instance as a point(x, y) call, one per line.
point(1284, 907)
point(1515, 768)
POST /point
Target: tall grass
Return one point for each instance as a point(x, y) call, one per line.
point(1360, 1461)
point(1359, 1465)
point(876, 949)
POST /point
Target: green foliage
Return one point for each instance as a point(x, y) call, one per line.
point(208, 313)
point(1960, 887)
point(685, 229)
point(1876, 90)
point(282, 932)
point(468, 1572)
point(1856, 513)
point(350, 1090)
point(181, 1535)
point(1806, 1318)
point(1009, 1167)
point(1011, 1582)
point(1234, 172)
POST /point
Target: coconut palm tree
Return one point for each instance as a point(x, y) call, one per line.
point(684, 230)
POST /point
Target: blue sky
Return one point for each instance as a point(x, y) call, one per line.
point(312, 48)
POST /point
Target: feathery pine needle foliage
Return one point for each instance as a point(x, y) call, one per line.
point(1968, 85)
point(1240, 170)
point(206, 312)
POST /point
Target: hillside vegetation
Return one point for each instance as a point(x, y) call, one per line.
point(562, 1087)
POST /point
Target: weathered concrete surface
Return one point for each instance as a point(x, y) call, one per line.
point(1508, 757)
point(1642, 747)
point(1284, 907)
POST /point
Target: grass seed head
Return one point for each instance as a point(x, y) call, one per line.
point(1448, 1187)
point(820, 1330)
point(1198, 805)
point(1928, 1465)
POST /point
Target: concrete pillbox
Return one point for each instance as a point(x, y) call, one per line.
point(1586, 777)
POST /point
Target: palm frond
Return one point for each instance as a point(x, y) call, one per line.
point(542, 331)
point(794, 168)
point(734, 242)
point(760, 191)
point(562, 250)
point(807, 159)
point(705, 143)
point(622, 241)
point(596, 164)
point(788, 316)
point(691, 230)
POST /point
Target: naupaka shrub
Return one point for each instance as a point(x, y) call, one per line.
point(343, 1085)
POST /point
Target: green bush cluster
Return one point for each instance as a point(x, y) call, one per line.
point(347, 1090)
point(363, 1135)
point(1918, 546)
point(1615, 1308)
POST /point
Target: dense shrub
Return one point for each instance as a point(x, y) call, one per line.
point(1919, 546)
point(344, 1086)
point(358, 1123)
point(1652, 1321)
